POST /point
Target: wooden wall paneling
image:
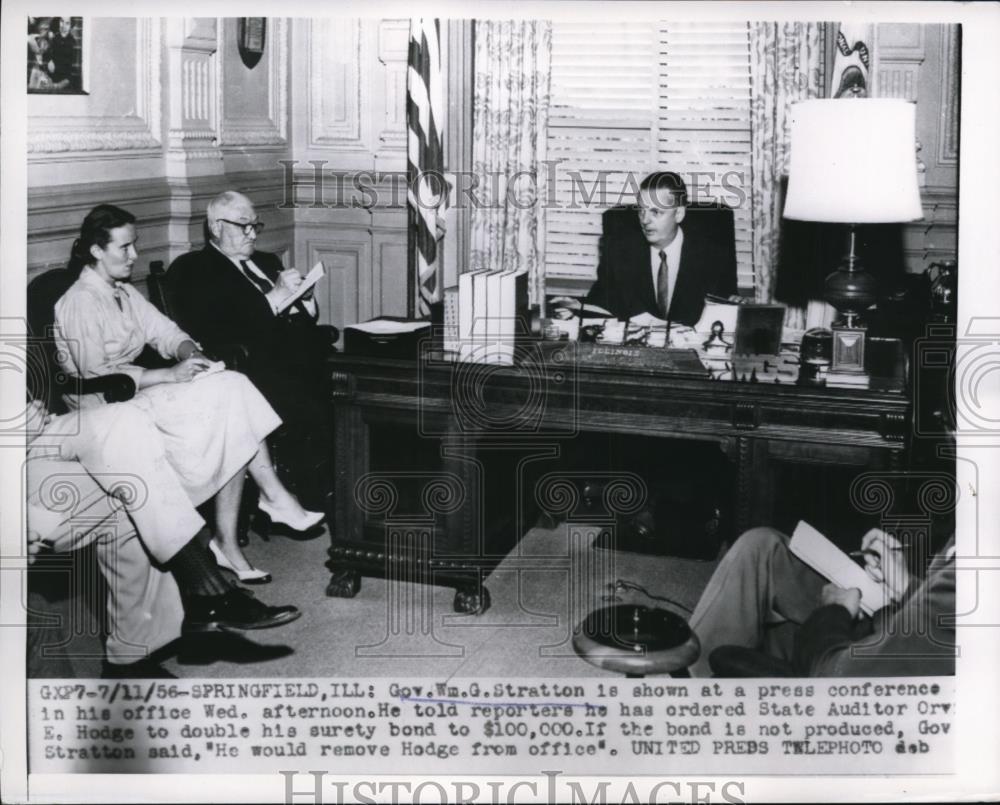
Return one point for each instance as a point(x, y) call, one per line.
point(388, 107)
point(338, 88)
point(388, 230)
point(354, 142)
point(345, 293)
point(921, 63)
point(389, 273)
point(950, 72)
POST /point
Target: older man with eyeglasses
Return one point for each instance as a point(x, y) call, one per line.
point(229, 292)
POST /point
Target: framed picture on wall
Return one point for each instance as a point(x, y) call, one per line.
point(56, 56)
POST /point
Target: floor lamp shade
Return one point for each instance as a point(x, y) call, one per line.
point(853, 161)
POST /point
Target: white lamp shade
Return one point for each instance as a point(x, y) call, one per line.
point(853, 161)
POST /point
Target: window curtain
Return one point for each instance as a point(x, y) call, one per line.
point(510, 117)
point(786, 65)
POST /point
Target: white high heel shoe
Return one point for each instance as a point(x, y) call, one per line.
point(251, 576)
point(297, 522)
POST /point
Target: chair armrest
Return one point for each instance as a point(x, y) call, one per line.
point(115, 388)
point(329, 335)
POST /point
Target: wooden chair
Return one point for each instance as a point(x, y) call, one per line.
point(47, 381)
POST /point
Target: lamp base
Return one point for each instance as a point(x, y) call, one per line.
point(848, 349)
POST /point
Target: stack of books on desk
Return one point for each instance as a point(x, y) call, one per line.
point(847, 380)
point(492, 314)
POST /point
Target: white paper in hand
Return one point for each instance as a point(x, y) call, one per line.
point(832, 563)
point(308, 282)
point(213, 368)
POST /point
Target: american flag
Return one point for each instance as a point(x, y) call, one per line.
point(427, 196)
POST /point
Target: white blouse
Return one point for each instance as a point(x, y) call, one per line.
point(95, 337)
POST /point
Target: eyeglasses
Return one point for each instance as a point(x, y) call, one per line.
point(253, 226)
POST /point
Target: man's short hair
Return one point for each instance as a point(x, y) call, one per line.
point(221, 202)
point(667, 180)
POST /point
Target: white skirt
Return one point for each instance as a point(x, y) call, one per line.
point(211, 428)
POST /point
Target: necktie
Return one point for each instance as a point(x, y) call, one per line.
point(663, 286)
point(256, 279)
point(118, 299)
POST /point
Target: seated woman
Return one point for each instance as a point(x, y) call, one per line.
point(213, 426)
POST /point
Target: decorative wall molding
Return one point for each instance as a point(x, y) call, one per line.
point(337, 84)
point(900, 52)
point(188, 145)
point(193, 136)
point(389, 286)
point(898, 80)
point(900, 42)
point(347, 297)
point(950, 71)
point(138, 133)
point(262, 132)
point(200, 33)
point(88, 140)
point(393, 45)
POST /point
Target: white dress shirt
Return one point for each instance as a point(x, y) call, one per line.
point(95, 336)
point(673, 253)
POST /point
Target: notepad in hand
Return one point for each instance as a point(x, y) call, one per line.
point(832, 563)
point(308, 282)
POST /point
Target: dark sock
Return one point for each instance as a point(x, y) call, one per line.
point(196, 572)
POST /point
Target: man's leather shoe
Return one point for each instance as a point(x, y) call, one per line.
point(146, 668)
point(235, 610)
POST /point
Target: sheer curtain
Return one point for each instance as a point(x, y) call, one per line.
point(786, 65)
point(510, 116)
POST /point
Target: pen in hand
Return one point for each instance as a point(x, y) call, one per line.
point(870, 552)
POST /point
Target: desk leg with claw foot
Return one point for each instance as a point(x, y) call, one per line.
point(344, 583)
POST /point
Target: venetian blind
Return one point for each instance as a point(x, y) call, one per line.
point(630, 98)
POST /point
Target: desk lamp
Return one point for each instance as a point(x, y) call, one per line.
point(853, 161)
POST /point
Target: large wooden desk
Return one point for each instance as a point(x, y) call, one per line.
point(442, 467)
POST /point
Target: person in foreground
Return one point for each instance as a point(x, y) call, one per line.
point(229, 292)
point(766, 613)
point(665, 271)
point(212, 427)
point(102, 476)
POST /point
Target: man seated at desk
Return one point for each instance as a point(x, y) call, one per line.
point(669, 269)
point(658, 267)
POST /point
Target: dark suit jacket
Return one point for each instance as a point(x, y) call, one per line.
point(624, 277)
point(217, 305)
